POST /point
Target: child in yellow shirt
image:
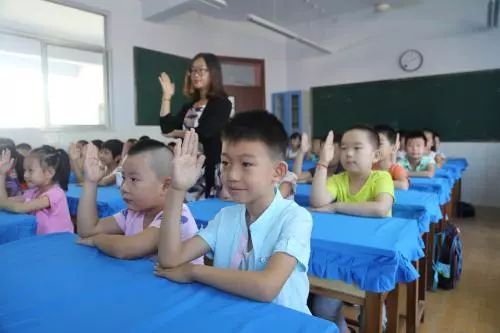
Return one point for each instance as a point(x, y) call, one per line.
point(359, 190)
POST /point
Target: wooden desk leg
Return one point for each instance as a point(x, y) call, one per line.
point(412, 305)
point(392, 302)
point(429, 254)
point(373, 313)
point(422, 280)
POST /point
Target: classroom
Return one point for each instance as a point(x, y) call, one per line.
point(319, 166)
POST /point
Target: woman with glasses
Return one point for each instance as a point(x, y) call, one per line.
point(207, 113)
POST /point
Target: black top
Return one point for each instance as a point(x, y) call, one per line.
point(214, 117)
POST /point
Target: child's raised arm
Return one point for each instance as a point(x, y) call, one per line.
point(87, 221)
point(319, 193)
point(186, 166)
point(299, 159)
point(14, 204)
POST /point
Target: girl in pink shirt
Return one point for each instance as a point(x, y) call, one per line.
point(46, 171)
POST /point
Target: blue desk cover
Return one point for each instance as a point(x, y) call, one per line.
point(50, 284)
point(72, 178)
point(373, 253)
point(109, 200)
point(16, 226)
point(417, 205)
point(440, 186)
point(302, 195)
point(306, 165)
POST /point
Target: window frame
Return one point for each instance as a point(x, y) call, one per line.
point(46, 41)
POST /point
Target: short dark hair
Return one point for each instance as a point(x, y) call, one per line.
point(216, 88)
point(388, 132)
point(115, 146)
point(144, 137)
point(161, 155)
point(258, 125)
point(295, 135)
point(7, 141)
point(415, 135)
point(98, 143)
point(132, 140)
point(370, 131)
point(23, 145)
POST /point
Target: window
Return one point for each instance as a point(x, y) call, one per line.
point(52, 71)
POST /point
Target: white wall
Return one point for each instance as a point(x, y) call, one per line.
point(185, 36)
point(369, 50)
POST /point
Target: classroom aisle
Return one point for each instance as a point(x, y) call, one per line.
point(474, 307)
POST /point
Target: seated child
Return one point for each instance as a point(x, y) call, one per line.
point(294, 146)
point(98, 143)
point(46, 171)
point(135, 231)
point(401, 154)
point(126, 147)
point(429, 137)
point(76, 158)
point(316, 149)
point(23, 149)
point(306, 176)
point(261, 247)
point(389, 146)
point(440, 157)
point(14, 179)
point(416, 162)
point(358, 190)
point(110, 155)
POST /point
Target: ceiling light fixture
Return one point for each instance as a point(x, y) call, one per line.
point(285, 32)
point(217, 4)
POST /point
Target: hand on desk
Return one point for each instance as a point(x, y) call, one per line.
point(181, 274)
point(88, 241)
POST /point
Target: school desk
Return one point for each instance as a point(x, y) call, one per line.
point(51, 284)
point(109, 200)
point(16, 226)
point(373, 254)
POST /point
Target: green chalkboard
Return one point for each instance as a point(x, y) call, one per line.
point(461, 107)
point(148, 65)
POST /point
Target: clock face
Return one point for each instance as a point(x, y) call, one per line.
point(411, 60)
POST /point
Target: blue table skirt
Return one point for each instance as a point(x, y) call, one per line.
point(421, 206)
point(16, 226)
point(375, 254)
point(440, 186)
point(306, 164)
point(51, 284)
point(109, 200)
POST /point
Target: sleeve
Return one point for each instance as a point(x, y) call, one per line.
point(188, 224)
point(291, 178)
point(384, 184)
point(121, 218)
point(399, 173)
point(209, 234)
point(172, 122)
point(295, 237)
point(56, 196)
point(214, 117)
point(430, 161)
point(332, 185)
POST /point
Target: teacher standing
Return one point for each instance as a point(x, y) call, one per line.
point(207, 113)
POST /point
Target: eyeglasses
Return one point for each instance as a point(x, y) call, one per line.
point(198, 71)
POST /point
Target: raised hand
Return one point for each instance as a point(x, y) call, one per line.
point(93, 169)
point(6, 162)
point(395, 149)
point(187, 163)
point(305, 146)
point(328, 150)
point(74, 152)
point(166, 85)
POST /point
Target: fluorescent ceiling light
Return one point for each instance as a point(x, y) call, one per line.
point(285, 32)
point(218, 4)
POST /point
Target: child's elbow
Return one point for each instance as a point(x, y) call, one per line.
point(267, 292)
point(382, 211)
point(166, 262)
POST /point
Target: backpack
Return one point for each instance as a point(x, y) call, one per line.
point(448, 268)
